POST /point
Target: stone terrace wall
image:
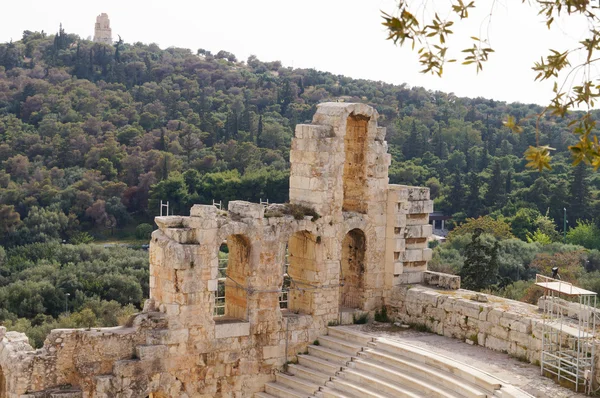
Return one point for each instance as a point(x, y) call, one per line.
point(499, 324)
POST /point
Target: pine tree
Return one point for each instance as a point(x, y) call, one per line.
point(436, 142)
point(285, 95)
point(259, 131)
point(579, 193)
point(508, 188)
point(444, 151)
point(118, 46)
point(484, 160)
point(413, 146)
point(245, 120)
point(457, 193)
point(480, 269)
point(162, 143)
point(471, 115)
point(494, 194)
point(474, 203)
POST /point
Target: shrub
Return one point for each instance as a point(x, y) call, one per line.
point(381, 315)
point(360, 319)
point(498, 228)
point(143, 231)
point(584, 234)
point(81, 238)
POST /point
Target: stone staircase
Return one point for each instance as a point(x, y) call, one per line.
point(348, 364)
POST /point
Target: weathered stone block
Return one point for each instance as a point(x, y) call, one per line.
point(204, 211)
point(232, 329)
point(246, 209)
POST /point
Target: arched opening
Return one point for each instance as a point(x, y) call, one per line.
point(301, 270)
point(352, 268)
point(355, 165)
point(231, 297)
point(3, 392)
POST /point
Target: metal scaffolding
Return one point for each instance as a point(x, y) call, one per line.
point(569, 326)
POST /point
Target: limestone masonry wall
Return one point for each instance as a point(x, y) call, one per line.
point(496, 323)
point(210, 330)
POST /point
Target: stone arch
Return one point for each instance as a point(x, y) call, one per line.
point(232, 228)
point(352, 268)
point(302, 268)
point(236, 282)
point(355, 165)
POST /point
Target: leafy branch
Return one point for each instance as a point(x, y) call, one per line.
point(431, 35)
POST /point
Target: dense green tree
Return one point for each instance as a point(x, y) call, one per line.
point(480, 269)
point(473, 203)
point(524, 222)
point(495, 191)
point(579, 194)
point(585, 234)
point(456, 196)
point(174, 190)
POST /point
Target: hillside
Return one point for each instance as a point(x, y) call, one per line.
point(96, 135)
point(93, 136)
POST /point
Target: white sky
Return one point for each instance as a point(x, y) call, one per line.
point(340, 36)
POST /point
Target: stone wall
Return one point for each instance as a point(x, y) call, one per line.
point(369, 236)
point(499, 324)
point(493, 322)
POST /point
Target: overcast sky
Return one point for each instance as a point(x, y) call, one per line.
point(340, 36)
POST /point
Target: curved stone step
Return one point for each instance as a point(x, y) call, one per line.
point(328, 392)
point(309, 374)
point(463, 371)
point(319, 364)
point(296, 383)
point(339, 345)
point(383, 374)
point(354, 389)
point(427, 372)
point(329, 354)
point(343, 333)
point(281, 391)
point(383, 386)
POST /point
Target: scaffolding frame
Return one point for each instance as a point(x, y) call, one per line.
point(568, 332)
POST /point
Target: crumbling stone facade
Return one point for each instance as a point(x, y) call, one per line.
point(366, 238)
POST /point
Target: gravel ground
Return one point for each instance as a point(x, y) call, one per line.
point(523, 375)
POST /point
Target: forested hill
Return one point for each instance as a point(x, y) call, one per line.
point(92, 136)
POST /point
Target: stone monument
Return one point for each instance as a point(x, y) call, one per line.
point(102, 31)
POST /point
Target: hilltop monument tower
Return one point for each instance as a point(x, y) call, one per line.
point(102, 31)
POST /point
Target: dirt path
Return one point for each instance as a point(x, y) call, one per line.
point(523, 375)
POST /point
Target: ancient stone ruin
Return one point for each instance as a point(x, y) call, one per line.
point(216, 325)
point(347, 237)
point(102, 30)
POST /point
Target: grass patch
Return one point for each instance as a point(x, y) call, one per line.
point(360, 319)
point(333, 323)
point(421, 327)
point(382, 315)
point(474, 339)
